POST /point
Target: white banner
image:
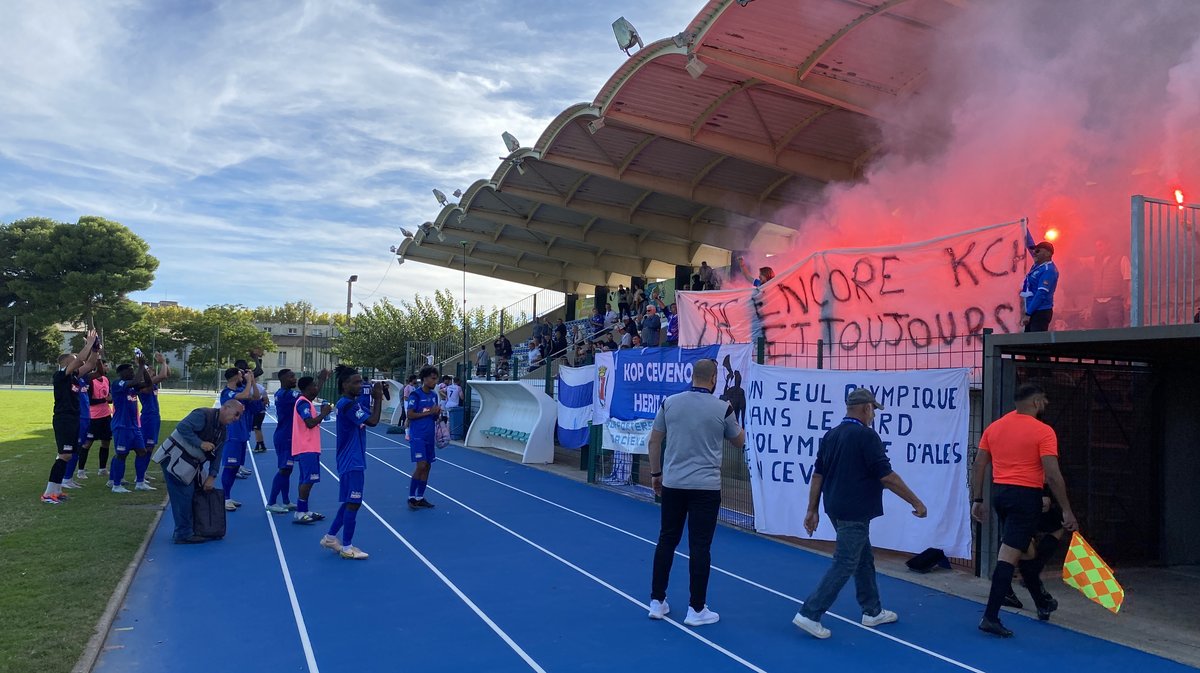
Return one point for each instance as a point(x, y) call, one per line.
point(628, 436)
point(929, 297)
point(924, 429)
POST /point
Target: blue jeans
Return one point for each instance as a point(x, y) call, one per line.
point(181, 504)
point(852, 556)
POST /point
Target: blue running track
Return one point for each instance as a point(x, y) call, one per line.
point(517, 569)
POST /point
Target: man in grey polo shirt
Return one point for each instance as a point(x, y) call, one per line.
point(688, 479)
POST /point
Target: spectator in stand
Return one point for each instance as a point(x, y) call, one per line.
point(410, 384)
point(765, 273)
point(596, 321)
point(622, 300)
point(706, 276)
point(697, 284)
point(639, 302)
point(651, 327)
point(560, 330)
point(441, 389)
point(636, 341)
point(626, 341)
point(1037, 292)
point(672, 326)
point(535, 355)
point(483, 363)
point(610, 317)
point(1112, 275)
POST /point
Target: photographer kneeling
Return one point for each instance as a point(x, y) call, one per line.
point(196, 440)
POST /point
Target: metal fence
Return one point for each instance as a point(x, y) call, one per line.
point(1164, 261)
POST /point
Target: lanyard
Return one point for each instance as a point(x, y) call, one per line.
point(706, 391)
point(847, 419)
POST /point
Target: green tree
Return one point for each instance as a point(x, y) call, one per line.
point(219, 335)
point(299, 312)
point(381, 332)
point(56, 272)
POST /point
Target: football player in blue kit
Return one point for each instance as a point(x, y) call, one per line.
point(353, 419)
point(422, 407)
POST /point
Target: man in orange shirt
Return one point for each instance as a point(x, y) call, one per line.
point(1023, 454)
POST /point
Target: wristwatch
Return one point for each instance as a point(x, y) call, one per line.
point(655, 474)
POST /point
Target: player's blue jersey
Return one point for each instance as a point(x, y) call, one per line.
point(149, 402)
point(351, 435)
point(240, 431)
point(364, 394)
point(85, 398)
point(421, 401)
point(125, 405)
point(285, 407)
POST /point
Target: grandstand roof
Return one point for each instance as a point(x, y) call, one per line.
point(665, 168)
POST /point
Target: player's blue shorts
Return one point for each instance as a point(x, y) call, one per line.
point(422, 449)
point(309, 467)
point(233, 453)
point(128, 439)
point(150, 428)
point(85, 427)
point(283, 451)
point(351, 487)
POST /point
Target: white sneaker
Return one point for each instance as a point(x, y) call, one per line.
point(701, 618)
point(331, 542)
point(235, 502)
point(659, 609)
point(70, 483)
point(814, 628)
point(102, 472)
point(354, 553)
point(109, 484)
point(230, 506)
point(120, 489)
point(81, 474)
point(143, 486)
point(884, 617)
point(277, 509)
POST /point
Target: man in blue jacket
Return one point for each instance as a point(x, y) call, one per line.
point(1037, 292)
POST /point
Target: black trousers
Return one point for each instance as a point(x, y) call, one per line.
point(699, 510)
point(1039, 321)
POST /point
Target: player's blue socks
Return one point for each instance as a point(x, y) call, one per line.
point(337, 520)
point(277, 486)
point(350, 520)
point(301, 505)
point(228, 476)
point(71, 466)
point(285, 486)
point(116, 471)
point(421, 489)
point(412, 487)
point(140, 462)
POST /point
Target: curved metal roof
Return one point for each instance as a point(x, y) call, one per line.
point(667, 168)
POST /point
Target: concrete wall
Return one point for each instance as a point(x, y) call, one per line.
point(1181, 465)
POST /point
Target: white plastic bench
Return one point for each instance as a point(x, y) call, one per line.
point(514, 417)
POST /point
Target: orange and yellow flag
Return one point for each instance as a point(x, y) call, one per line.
point(1086, 571)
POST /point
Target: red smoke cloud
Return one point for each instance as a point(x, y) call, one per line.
point(1056, 111)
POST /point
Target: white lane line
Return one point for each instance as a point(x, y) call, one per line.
point(309, 656)
point(579, 570)
point(446, 580)
point(852, 622)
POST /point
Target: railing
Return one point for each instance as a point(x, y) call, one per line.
point(1163, 261)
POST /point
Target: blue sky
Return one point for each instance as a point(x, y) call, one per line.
point(266, 150)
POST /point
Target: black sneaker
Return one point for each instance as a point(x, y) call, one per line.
point(195, 539)
point(1046, 606)
point(424, 504)
point(1011, 600)
point(994, 627)
point(412, 504)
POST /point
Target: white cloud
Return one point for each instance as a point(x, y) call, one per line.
point(267, 150)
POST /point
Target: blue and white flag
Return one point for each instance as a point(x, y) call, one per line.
point(575, 385)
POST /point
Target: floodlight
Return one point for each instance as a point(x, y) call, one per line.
point(743, 3)
point(407, 233)
point(441, 237)
point(510, 141)
point(399, 260)
point(394, 250)
point(695, 67)
point(462, 217)
point(626, 35)
point(458, 193)
point(682, 39)
point(441, 198)
point(519, 166)
point(595, 125)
